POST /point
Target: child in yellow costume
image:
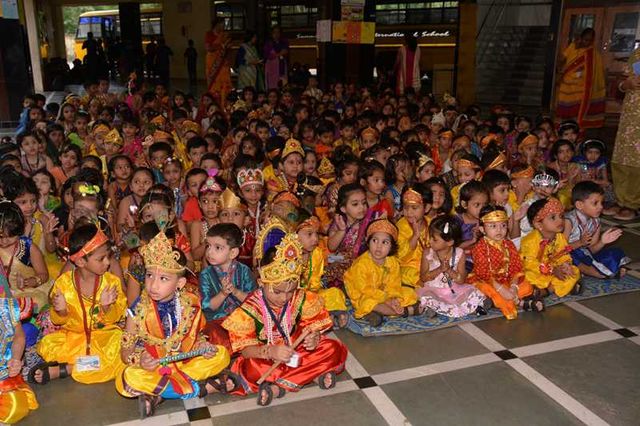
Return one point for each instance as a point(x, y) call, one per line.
point(313, 269)
point(166, 320)
point(545, 251)
point(16, 397)
point(373, 280)
point(87, 303)
point(413, 232)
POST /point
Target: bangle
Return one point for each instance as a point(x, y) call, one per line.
point(620, 87)
point(128, 340)
point(133, 359)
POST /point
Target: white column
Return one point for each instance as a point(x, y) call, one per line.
point(34, 44)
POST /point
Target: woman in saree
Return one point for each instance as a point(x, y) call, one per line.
point(217, 42)
point(581, 91)
point(276, 52)
point(625, 164)
point(249, 63)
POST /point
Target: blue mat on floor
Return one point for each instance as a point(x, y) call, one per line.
point(592, 288)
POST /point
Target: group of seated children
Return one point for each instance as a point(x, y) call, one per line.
point(181, 261)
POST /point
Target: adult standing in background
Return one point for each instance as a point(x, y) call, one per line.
point(217, 43)
point(625, 164)
point(407, 65)
point(163, 62)
point(249, 63)
point(581, 92)
point(276, 53)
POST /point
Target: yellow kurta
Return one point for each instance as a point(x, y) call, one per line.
point(369, 284)
point(455, 196)
point(334, 299)
point(68, 343)
point(553, 254)
point(410, 259)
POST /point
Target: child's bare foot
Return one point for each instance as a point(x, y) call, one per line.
point(43, 373)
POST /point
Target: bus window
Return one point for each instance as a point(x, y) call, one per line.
point(89, 24)
point(151, 26)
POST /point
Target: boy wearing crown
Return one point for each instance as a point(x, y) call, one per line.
point(234, 210)
point(165, 352)
point(277, 331)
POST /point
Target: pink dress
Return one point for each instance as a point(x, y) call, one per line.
point(447, 298)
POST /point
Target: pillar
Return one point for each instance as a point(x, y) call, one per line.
point(57, 37)
point(131, 36)
point(34, 44)
point(465, 56)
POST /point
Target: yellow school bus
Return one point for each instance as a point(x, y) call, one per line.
point(106, 24)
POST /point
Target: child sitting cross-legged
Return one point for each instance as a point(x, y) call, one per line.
point(443, 274)
point(582, 230)
point(313, 270)
point(497, 267)
point(226, 282)
point(277, 331)
point(373, 281)
point(545, 251)
point(16, 397)
point(163, 324)
point(87, 303)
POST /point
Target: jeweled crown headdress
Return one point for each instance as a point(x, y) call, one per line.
point(159, 253)
point(229, 200)
point(286, 265)
point(248, 177)
point(544, 180)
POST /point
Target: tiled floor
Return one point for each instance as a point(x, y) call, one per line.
point(576, 363)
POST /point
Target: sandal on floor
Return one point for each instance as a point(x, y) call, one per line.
point(540, 293)
point(44, 367)
point(480, 311)
point(532, 304)
point(321, 380)
point(487, 304)
point(626, 214)
point(577, 289)
point(430, 313)
point(412, 310)
point(152, 401)
point(219, 382)
point(374, 319)
point(265, 387)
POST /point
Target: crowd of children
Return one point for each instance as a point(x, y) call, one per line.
point(182, 249)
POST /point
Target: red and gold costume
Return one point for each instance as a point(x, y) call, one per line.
point(253, 324)
point(497, 263)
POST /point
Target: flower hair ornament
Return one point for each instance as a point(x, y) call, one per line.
point(286, 265)
point(211, 184)
point(86, 189)
point(445, 230)
point(544, 180)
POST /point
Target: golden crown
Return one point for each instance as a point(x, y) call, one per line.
point(114, 137)
point(190, 126)
point(325, 168)
point(100, 128)
point(286, 265)
point(159, 253)
point(248, 177)
point(292, 146)
point(229, 200)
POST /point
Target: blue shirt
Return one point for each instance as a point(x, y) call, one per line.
point(211, 284)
